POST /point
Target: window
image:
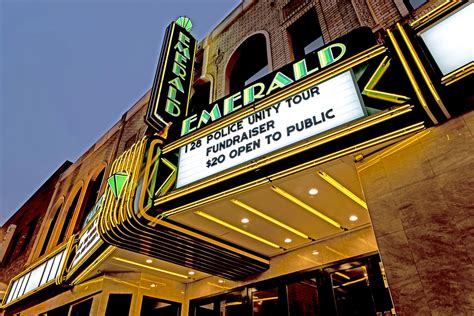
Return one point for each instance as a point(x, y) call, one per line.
point(347, 288)
point(29, 234)
point(118, 305)
point(233, 304)
point(76, 309)
point(265, 302)
point(153, 306)
point(414, 4)
point(352, 292)
point(11, 248)
point(206, 309)
point(91, 198)
point(51, 227)
point(303, 298)
point(68, 217)
point(81, 309)
point(201, 97)
point(248, 63)
point(305, 35)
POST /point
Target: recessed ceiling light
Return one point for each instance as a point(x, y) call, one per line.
point(153, 285)
point(149, 261)
point(221, 281)
point(191, 272)
point(288, 240)
point(245, 220)
point(315, 252)
point(313, 191)
point(353, 218)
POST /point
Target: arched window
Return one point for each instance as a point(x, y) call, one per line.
point(51, 227)
point(248, 63)
point(69, 216)
point(91, 197)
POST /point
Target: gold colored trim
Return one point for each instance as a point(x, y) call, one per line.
point(423, 72)
point(355, 281)
point(269, 218)
point(297, 148)
point(214, 242)
point(342, 275)
point(335, 251)
point(305, 206)
point(99, 243)
point(411, 77)
point(93, 265)
point(118, 211)
point(156, 117)
point(243, 232)
point(380, 95)
point(219, 286)
point(60, 278)
point(265, 299)
point(428, 17)
point(152, 268)
point(266, 180)
point(458, 74)
point(341, 188)
point(391, 150)
point(279, 96)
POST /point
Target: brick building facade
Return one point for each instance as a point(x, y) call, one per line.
point(22, 229)
point(277, 33)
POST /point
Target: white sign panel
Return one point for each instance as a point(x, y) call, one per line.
point(303, 115)
point(42, 274)
point(88, 239)
point(449, 41)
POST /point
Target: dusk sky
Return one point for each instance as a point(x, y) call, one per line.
point(69, 69)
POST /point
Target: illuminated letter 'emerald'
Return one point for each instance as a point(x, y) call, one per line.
point(185, 23)
point(116, 182)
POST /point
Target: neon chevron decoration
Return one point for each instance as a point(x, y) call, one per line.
point(116, 182)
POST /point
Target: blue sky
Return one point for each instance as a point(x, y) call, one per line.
point(68, 70)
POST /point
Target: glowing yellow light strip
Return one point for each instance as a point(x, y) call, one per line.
point(270, 219)
point(424, 74)
point(101, 258)
point(219, 286)
point(433, 13)
point(265, 299)
point(305, 206)
point(341, 188)
point(233, 303)
point(458, 74)
point(355, 281)
point(335, 251)
point(411, 77)
point(221, 222)
point(151, 268)
point(342, 275)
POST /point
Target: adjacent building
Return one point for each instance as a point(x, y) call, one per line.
point(323, 167)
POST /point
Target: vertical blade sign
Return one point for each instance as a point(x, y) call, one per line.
point(173, 79)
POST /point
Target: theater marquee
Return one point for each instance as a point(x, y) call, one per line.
point(318, 109)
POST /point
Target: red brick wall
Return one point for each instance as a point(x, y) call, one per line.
point(34, 208)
